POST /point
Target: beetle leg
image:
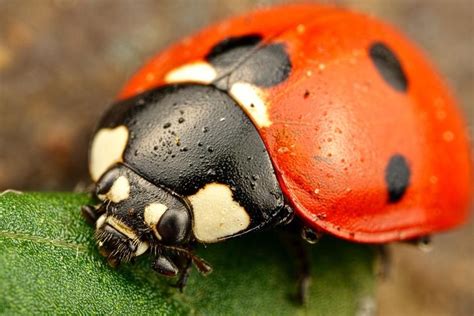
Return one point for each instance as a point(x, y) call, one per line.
point(91, 213)
point(304, 272)
point(310, 235)
point(423, 243)
point(384, 261)
point(183, 259)
point(298, 249)
point(184, 265)
point(165, 266)
point(184, 271)
point(284, 217)
point(174, 265)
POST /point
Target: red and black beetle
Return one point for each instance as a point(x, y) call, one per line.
point(300, 110)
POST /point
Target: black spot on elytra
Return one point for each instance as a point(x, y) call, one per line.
point(230, 43)
point(389, 66)
point(397, 177)
point(245, 59)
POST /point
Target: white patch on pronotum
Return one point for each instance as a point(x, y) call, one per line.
point(119, 191)
point(142, 247)
point(252, 100)
point(199, 71)
point(107, 149)
point(216, 214)
point(152, 216)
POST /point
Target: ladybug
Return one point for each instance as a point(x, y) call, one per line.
point(298, 111)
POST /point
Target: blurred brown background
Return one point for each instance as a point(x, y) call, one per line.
point(62, 62)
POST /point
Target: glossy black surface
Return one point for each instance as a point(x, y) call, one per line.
point(183, 137)
point(174, 226)
point(165, 266)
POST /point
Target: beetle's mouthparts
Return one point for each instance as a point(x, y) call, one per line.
point(114, 245)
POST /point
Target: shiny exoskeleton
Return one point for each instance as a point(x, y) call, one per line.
point(300, 110)
point(186, 145)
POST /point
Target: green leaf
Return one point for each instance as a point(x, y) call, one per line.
point(49, 264)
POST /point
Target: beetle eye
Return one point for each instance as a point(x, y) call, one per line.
point(106, 181)
point(174, 226)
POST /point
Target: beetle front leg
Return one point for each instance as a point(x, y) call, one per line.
point(304, 271)
point(284, 217)
point(384, 261)
point(91, 213)
point(178, 266)
point(184, 270)
point(298, 250)
point(424, 243)
point(165, 266)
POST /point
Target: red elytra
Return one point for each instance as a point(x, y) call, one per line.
point(336, 123)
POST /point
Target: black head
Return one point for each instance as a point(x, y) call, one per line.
point(137, 216)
